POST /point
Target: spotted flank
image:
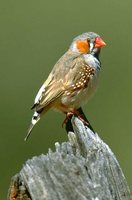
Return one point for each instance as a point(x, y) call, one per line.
point(85, 75)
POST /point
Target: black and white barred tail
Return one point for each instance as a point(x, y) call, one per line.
point(35, 119)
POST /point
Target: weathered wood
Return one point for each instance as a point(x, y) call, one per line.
point(82, 169)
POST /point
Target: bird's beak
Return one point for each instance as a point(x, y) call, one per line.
point(99, 42)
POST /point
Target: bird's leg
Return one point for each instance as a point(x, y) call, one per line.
point(68, 116)
point(77, 113)
point(80, 114)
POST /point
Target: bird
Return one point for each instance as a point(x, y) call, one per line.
point(72, 81)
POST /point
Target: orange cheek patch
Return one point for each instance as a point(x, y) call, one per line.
point(82, 46)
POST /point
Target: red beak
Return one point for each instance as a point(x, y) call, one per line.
point(99, 42)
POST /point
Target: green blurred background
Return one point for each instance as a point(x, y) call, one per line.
point(33, 35)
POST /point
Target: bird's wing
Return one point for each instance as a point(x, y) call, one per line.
point(49, 91)
point(68, 75)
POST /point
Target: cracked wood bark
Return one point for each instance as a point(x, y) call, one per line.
point(84, 168)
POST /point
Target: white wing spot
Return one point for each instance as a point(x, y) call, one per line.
point(39, 95)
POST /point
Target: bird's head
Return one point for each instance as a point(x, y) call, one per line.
point(87, 43)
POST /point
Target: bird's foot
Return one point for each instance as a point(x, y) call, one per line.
point(68, 117)
point(76, 113)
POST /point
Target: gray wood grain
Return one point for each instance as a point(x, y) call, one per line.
point(84, 168)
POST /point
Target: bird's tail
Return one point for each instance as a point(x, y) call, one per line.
point(35, 119)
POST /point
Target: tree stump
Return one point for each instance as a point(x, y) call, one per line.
point(84, 168)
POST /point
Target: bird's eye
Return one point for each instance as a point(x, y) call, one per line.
point(90, 44)
point(88, 41)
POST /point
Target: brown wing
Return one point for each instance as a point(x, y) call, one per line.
point(54, 86)
point(68, 75)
